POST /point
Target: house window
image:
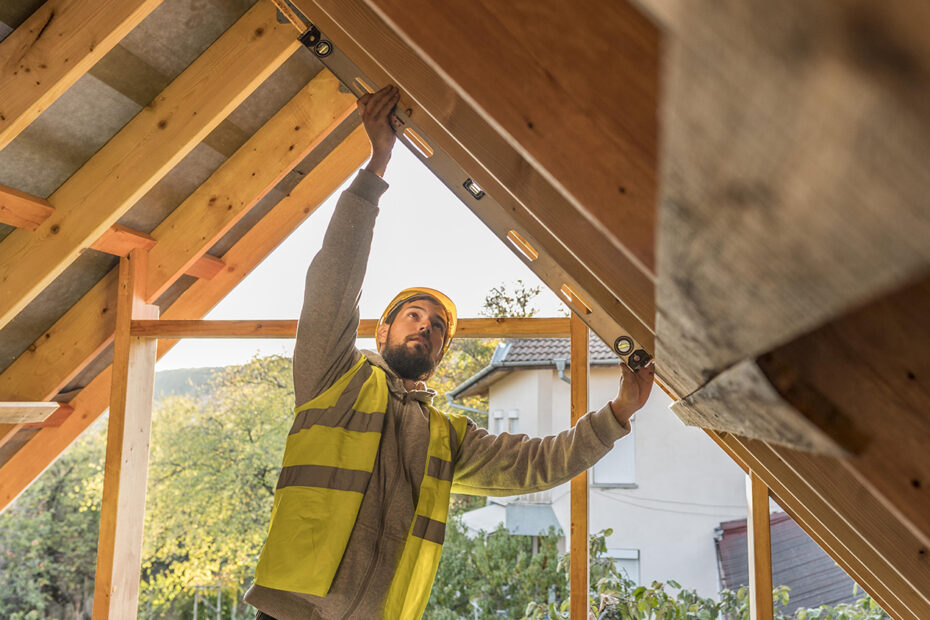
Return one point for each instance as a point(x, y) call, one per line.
point(513, 421)
point(498, 421)
point(627, 562)
point(618, 467)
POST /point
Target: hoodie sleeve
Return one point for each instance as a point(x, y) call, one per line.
point(508, 464)
point(328, 325)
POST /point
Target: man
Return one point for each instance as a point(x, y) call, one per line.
point(362, 499)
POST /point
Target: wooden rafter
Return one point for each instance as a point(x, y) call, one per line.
point(120, 240)
point(600, 144)
point(191, 229)
point(622, 296)
point(54, 47)
point(159, 136)
point(846, 520)
point(33, 457)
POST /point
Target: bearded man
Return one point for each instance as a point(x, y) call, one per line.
point(362, 499)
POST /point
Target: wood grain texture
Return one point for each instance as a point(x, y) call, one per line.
point(147, 147)
point(795, 142)
point(23, 210)
point(120, 240)
point(236, 186)
point(41, 450)
point(119, 547)
point(578, 559)
point(181, 239)
point(465, 328)
point(759, 538)
point(873, 367)
point(54, 47)
point(572, 249)
point(742, 400)
point(25, 412)
point(846, 520)
point(600, 145)
point(56, 419)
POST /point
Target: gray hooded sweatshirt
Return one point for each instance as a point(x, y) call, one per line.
point(489, 465)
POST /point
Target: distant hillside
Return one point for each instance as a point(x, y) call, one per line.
point(182, 382)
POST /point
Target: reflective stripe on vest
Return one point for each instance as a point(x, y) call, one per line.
point(328, 460)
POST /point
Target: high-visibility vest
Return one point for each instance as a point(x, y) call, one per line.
point(328, 460)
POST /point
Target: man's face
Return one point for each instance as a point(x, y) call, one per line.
point(412, 344)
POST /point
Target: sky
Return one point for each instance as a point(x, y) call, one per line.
point(424, 236)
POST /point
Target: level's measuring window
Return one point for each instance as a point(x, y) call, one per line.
point(522, 245)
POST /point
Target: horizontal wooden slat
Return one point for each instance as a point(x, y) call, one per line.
point(26, 464)
point(56, 419)
point(120, 240)
point(206, 267)
point(54, 47)
point(24, 412)
point(144, 150)
point(23, 210)
point(466, 328)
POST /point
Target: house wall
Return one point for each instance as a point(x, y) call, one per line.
point(684, 484)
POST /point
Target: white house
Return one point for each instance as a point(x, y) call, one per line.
point(663, 489)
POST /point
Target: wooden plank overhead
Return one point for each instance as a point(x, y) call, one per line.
point(590, 129)
point(847, 521)
point(182, 238)
point(27, 463)
point(23, 210)
point(54, 47)
point(141, 153)
point(578, 250)
point(795, 148)
point(25, 412)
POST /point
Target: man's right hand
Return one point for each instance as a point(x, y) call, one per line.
point(375, 110)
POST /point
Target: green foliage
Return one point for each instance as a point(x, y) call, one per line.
point(492, 574)
point(212, 476)
point(500, 302)
point(48, 537)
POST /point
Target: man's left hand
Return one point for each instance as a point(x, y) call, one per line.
point(633, 393)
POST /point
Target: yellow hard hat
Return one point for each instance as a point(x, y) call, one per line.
point(443, 301)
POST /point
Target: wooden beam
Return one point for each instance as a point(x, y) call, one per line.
point(843, 517)
point(759, 541)
point(871, 368)
point(119, 550)
point(25, 412)
point(147, 147)
point(743, 98)
point(236, 186)
point(22, 210)
point(191, 229)
point(571, 249)
point(602, 157)
point(41, 450)
point(578, 559)
point(466, 328)
point(119, 240)
point(54, 47)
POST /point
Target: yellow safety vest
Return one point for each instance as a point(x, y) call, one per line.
point(328, 460)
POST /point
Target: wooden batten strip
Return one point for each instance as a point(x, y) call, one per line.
point(759, 536)
point(25, 412)
point(466, 328)
point(26, 464)
point(578, 578)
point(143, 151)
point(23, 210)
point(56, 419)
point(54, 47)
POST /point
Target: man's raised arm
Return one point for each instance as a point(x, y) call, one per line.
point(326, 332)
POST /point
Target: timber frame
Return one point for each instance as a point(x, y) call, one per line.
point(740, 189)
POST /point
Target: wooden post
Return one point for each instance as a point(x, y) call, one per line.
point(119, 550)
point(759, 540)
point(579, 485)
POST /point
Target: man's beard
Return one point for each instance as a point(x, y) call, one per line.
point(413, 365)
